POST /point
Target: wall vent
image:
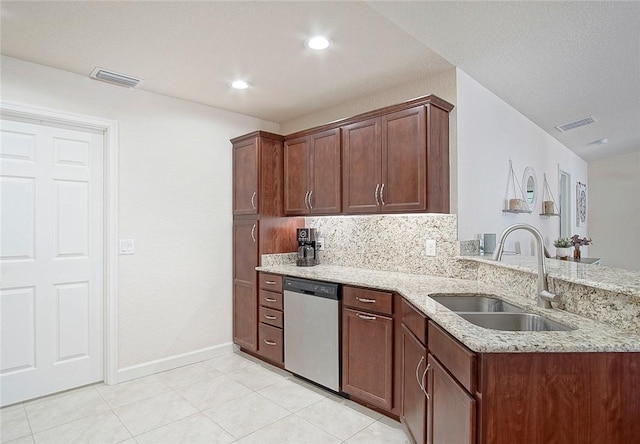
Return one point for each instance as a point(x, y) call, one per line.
point(576, 124)
point(115, 78)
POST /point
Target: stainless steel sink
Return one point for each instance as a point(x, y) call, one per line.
point(475, 303)
point(514, 322)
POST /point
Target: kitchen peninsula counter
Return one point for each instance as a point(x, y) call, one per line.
point(626, 282)
point(588, 336)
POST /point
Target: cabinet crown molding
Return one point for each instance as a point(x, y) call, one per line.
point(423, 100)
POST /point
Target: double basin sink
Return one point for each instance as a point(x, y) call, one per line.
point(490, 312)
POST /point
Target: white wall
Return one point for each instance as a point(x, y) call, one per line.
point(613, 210)
point(490, 132)
point(175, 201)
point(442, 84)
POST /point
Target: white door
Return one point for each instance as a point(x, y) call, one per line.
point(51, 260)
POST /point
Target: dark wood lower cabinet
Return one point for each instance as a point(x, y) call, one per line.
point(451, 416)
point(367, 350)
point(414, 401)
point(560, 398)
point(245, 311)
point(245, 299)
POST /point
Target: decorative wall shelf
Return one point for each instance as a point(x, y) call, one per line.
point(517, 211)
point(518, 203)
point(547, 197)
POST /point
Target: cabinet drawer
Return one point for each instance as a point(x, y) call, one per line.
point(271, 300)
point(270, 282)
point(458, 359)
point(271, 317)
point(369, 300)
point(270, 343)
point(415, 321)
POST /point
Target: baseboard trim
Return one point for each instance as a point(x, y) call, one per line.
point(171, 362)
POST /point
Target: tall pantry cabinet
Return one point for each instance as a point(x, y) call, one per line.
point(259, 225)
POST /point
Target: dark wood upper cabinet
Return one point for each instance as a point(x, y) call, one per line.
point(397, 161)
point(257, 174)
point(361, 166)
point(245, 177)
point(404, 170)
point(313, 174)
point(297, 175)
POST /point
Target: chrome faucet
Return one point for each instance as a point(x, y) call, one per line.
point(545, 297)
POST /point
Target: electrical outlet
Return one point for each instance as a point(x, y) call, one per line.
point(430, 247)
point(320, 242)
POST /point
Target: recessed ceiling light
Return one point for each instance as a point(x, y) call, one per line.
point(240, 84)
point(318, 42)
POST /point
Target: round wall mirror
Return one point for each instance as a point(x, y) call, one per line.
point(530, 186)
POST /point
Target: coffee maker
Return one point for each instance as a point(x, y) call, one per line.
point(307, 247)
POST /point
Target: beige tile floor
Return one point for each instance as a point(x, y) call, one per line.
point(229, 399)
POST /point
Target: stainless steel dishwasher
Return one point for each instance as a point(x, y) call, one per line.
point(312, 331)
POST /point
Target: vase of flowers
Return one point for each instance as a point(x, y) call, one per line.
point(563, 248)
point(577, 242)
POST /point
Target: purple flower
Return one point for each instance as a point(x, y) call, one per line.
point(576, 241)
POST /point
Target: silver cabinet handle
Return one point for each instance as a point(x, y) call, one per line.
point(253, 201)
point(365, 317)
point(271, 318)
point(269, 342)
point(418, 368)
point(253, 232)
point(270, 299)
point(424, 382)
point(382, 195)
point(306, 200)
point(367, 301)
point(310, 204)
point(270, 282)
point(375, 193)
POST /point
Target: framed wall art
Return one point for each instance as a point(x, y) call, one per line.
point(581, 204)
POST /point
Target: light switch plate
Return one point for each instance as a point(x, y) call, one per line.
point(127, 246)
point(430, 247)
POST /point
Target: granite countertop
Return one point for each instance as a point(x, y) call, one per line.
point(596, 276)
point(589, 335)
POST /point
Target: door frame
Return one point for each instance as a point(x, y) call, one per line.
point(109, 129)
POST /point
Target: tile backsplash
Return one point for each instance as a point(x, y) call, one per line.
point(392, 243)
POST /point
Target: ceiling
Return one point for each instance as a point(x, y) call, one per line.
point(553, 61)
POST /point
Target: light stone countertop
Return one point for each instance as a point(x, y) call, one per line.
point(589, 336)
point(596, 276)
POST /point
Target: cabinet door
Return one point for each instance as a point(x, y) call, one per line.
point(452, 411)
point(404, 165)
point(367, 355)
point(245, 177)
point(326, 174)
point(297, 182)
point(245, 297)
point(414, 401)
point(361, 166)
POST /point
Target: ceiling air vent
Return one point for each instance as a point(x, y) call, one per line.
point(116, 78)
point(576, 124)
